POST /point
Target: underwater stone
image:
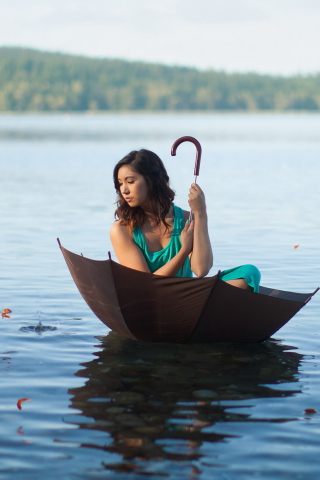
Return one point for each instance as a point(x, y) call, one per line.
point(124, 398)
point(204, 394)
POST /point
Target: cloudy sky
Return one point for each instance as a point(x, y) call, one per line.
point(266, 36)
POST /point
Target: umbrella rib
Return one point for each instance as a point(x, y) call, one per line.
point(213, 287)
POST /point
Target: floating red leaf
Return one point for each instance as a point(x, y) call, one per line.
point(5, 311)
point(310, 410)
point(19, 402)
point(296, 246)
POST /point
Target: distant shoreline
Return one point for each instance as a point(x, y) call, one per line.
point(35, 81)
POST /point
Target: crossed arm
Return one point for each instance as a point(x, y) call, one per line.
point(130, 255)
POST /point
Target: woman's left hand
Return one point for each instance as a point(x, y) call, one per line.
point(197, 200)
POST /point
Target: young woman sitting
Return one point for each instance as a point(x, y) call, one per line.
point(152, 234)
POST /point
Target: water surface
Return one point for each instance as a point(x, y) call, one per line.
point(103, 406)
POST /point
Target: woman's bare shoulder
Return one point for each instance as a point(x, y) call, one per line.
point(119, 231)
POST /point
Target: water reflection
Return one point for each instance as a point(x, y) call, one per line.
point(162, 401)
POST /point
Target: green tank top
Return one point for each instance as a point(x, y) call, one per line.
point(156, 260)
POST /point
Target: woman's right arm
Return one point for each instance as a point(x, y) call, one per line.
point(129, 254)
point(127, 251)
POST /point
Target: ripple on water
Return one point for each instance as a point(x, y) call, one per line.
point(39, 328)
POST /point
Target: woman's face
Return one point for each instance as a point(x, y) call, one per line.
point(133, 187)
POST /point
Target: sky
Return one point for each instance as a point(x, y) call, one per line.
point(263, 36)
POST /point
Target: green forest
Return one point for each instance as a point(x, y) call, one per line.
point(32, 80)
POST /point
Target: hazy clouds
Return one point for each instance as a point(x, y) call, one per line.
point(237, 35)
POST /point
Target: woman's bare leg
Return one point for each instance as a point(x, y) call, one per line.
point(239, 282)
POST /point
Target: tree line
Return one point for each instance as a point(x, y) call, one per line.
point(32, 80)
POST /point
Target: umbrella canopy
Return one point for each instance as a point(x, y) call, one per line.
point(155, 308)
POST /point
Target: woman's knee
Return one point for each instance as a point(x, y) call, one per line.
point(254, 272)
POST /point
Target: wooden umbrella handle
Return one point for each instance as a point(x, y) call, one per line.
point(198, 147)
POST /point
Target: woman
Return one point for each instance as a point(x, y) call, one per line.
point(153, 235)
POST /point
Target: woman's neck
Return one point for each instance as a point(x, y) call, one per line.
point(151, 220)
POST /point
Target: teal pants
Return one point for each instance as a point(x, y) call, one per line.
point(250, 273)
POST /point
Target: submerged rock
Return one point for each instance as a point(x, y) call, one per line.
point(204, 394)
point(124, 398)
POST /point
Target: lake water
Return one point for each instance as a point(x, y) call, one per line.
point(106, 407)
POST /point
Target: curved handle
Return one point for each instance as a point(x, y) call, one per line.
point(198, 147)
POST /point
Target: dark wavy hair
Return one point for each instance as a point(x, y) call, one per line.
point(151, 167)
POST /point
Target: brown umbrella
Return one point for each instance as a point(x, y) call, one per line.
point(155, 308)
